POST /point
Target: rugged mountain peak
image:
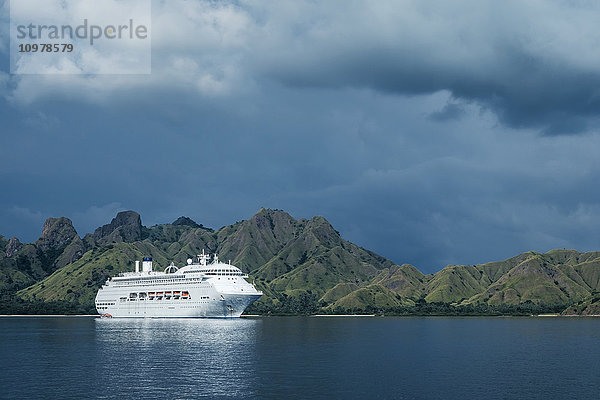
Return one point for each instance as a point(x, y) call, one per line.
point(186, 221)
point(125, 227)
point(253, 242)
point(280, 223)
point(319, 221)
point(267, 214)
point(323, 231)
point(73, 252)
point(56, 234)
point(14, 245)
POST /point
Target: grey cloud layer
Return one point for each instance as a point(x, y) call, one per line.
point(412, 126)
point(534, 64)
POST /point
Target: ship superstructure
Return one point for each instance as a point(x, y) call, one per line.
point(199, 289)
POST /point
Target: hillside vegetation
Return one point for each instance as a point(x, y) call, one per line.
point(303, 267)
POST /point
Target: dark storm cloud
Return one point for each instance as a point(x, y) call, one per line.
point(389, 179)
point(534, 64)
point(380, 116)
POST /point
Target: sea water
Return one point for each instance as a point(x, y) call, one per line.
point(301, 357)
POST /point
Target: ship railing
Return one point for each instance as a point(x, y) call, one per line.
point(125, 274)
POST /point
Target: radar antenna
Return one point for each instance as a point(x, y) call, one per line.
point(171, 269)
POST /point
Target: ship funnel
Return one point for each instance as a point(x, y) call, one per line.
point(137, 266)
point(147, 264)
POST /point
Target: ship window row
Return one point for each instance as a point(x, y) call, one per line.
point(143, 281)
point(214, 272)
point(158, 298)
point(228, 272)
point(193, 306)
point(167, 281)
point(153, 283)
point(105, 304)
point(223, 274)
point(146, 282)
point(153, 279)
point(158, 295)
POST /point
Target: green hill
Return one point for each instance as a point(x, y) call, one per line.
point(303, 266)
point(589, 306)
point(551, 278)
point(371, 297)
point(338, 291)
point(286, 257)
point(404, 280)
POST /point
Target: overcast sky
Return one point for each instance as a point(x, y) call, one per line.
point(432, 133)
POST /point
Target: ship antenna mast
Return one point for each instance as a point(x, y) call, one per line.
point(203, 258)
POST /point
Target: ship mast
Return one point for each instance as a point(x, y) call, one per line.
point(203, 258)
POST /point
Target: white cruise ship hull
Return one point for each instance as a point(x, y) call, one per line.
point(187, 295)
point(191, 309)
point(195, 306)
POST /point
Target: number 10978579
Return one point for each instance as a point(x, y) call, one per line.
point(45, 48)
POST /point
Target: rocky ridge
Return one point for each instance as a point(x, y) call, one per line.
point(301, 265)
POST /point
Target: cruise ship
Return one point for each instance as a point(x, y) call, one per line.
point(199, 289)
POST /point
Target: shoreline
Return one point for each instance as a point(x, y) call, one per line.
point(343, 315)
point(315, 315)
point(49, 315)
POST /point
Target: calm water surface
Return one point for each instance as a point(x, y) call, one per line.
point(301, 357)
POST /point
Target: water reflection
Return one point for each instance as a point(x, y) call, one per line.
point(181, 358)
point(309, 358)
